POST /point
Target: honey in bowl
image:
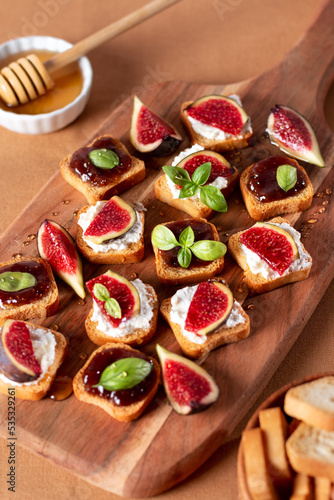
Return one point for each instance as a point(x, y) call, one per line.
point(68, 85)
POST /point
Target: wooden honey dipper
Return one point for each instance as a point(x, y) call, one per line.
point(26, 79)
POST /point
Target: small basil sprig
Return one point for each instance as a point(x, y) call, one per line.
point(211, 196)
point(124, 374)
point(104, 158)
point(286, 176)
point(111, 305)
point(164, 239)
point(15, 281)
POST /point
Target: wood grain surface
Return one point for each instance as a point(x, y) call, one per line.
point(160, 449)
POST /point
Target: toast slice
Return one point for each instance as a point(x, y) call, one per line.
point(257, 283)
point(196, 346)
point(134, 332)
point(126, 249)
point(227, 144)
point(122, 413)
point(25, 307)
point(98, 183)
point(37, 389)
point(313, 402)
point(260, 210)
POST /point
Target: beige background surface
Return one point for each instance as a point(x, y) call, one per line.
point(215, 41)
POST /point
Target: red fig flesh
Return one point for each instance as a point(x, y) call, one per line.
point(272, 244)
point(115, 219)
point(209, 308)
point(220, 112)
point(57, 247)
point(120, 289)
point(292, 133)
point(151, 134)
point(219, 166)
point(188, 386)
point(17, 358)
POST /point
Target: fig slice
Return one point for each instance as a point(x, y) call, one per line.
point(220, 112)
point(151, 134)
point(119, 289)
point(17, 358)
point(220, 167)
point(57, 247)
point(272, 244)
point(292, 133)
point(188, 386)
point(116, 218)
point(209, 308)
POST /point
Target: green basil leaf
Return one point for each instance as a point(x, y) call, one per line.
point(188, 189)
point(101, 292)
point(202, 173)
point(213, 198)
point(208, 249)
point(15, 281)
point(286, 176)
point(103, 158)
point(113, 308)
point(184, 257)
point(187, 237)
point(163, 238)
point(124, 374)
point(176, 174)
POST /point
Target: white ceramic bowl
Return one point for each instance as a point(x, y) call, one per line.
point(55, 120)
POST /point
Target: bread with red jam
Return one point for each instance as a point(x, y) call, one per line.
point(37, 301)
point(121, 412)
point(97, 183)
point(265, 199)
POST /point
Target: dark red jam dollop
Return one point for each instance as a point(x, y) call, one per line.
point(202, 231)
point(124, 397)
point(27, 295)
point(81, 165)
point(263, 184)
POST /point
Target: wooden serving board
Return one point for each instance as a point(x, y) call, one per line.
point(150, 455)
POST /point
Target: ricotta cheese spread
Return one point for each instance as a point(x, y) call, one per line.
point(140, 321)
point(121, 242)
point(220, 182)
point(214, 133)
point(259, 266)
point(44, 345)
point(180, 303)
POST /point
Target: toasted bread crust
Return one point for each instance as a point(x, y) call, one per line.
point(256, 282)
point(222, 335)
point(46, 306)
point(219, 146)
point(133, 176)
point(260, 211)
point(133, 253)
point(180, 276)
point(195, 208)
point(137, 337)
point(37, 391)
point(120, 413)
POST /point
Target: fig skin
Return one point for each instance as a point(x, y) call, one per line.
point(194, 404)
point(51, 238)
point(9, 365)
point(169, 139)
point(102, 216)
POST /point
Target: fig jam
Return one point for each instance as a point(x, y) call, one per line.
point(27, 295)
point(263, 183)
point(202, 231)
point(81, 165)
point(123, 397)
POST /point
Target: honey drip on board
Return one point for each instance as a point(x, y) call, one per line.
point(61, 388)
point(68, 85)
